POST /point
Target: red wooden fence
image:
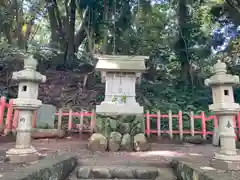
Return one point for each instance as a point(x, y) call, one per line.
point(9, 122)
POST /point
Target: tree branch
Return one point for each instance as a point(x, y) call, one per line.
point(80, 35)
point(233, 5)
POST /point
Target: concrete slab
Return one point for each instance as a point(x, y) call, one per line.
point(186, 169)
point(55, 167)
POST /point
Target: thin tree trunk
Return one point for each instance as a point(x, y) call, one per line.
point(19, 20)
point(53, 22)
point(183, 42)
point(71, 28)
point(7, 32)
point(105, 32)
point(81, 34)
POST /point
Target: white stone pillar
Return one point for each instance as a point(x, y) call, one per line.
point(24, 128)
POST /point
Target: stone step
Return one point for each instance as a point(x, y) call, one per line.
point(157, 178)
point(166, 174)
point(123, 172)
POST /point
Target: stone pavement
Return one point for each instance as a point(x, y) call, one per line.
point(160, 154)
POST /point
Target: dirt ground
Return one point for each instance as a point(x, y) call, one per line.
point(162, 151)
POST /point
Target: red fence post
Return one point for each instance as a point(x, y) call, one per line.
point(93, 121)
point(70, 120)
point(2, 108)
point(180, 124)
point(215, 119)
point(203, 118)
point(238, 123)
point(59, 125)
point(15, 119)
point(34, 120)
point(148, 124)
point(234, 126)
point(8, 124)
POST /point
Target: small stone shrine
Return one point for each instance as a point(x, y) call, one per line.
point(225, 108)
point(124, 130)
point(26, 104)
point(120, 75)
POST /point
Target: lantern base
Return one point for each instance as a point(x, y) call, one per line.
point(16, 155)
point(115, 109)
point(226, 162)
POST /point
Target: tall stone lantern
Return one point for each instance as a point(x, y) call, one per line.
point(120, 74)
point(26, 104)
point(225, 108)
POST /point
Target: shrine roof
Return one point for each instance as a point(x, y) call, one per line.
point(121, 63)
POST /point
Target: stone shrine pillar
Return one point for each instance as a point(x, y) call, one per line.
point(26, 104)
point(120, 74)
point(225, 108)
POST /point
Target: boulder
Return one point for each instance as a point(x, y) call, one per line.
point(140, 142)
point(97, 142)
point(194, 139)
point(47, 133)
point(126, 143)
point(124, 128)
point(114, 141)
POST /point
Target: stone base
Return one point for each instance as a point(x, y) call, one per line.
point(191, 168)
point(226, 165)
point(22, 155)
point(115, 109)
point(226, 162)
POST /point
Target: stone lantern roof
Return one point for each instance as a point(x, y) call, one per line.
point(220, 76)
point(120, 63)
point(29, 73)
point(30, 63)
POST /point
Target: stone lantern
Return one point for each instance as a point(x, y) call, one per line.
point(225, 108)
point(120, 74)
point(26, 104)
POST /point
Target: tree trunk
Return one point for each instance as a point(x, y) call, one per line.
point(183, 43)
point(71, 28)
point(7, 33)
point(105, 32)
point(81, 33)
point(19, 20)
point(53, 22)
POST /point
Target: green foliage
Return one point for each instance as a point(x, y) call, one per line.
point(176, 42)
point(122, 124)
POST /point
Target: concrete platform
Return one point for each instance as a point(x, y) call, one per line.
point(186, 169)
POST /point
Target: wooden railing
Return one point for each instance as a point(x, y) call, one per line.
point(191, 129)
point(78, 126)
point(8, 121)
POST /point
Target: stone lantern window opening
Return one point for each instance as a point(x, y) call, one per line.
point(24, 88)
point(226, 93)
